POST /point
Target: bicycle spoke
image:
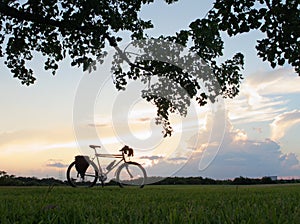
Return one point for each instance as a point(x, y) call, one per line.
point(131, 174)
point(88, 179)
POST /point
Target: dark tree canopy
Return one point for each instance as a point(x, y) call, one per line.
point(83, 29)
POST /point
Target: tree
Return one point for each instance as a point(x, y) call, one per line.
point(3, 174)
point(82, 29)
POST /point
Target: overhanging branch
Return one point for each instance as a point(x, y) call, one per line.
point(66, 25)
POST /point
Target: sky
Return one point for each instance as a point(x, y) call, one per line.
point(255, 134)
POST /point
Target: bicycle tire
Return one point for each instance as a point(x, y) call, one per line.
point(131, 174)
point(89, 179)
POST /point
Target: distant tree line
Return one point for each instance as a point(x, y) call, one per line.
point(208, 181)
point(12, 180)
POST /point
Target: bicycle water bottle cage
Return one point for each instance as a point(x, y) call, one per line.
point(110, 165)
point(81, 164)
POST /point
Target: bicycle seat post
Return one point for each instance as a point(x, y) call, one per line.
point(94, 147)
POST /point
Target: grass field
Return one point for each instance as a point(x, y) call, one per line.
point(153, 204)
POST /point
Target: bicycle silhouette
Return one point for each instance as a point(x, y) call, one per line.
point(83, 172)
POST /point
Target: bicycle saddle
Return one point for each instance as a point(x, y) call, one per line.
point(95, 146)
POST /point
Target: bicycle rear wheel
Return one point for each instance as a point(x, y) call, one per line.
point(131, 174)
point(89, 179)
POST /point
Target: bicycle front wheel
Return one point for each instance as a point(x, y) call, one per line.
point(131, 174)
point(89, 179)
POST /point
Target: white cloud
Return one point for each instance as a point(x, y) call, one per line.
point(280, 81)
point(290, 161)
point(263, 96)
point(235, 155)
point(283, 122)
point(242, 111)
point(56, 163)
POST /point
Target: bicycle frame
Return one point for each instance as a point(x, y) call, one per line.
point(98, 155)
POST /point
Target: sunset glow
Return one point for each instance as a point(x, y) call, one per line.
point(254, 134)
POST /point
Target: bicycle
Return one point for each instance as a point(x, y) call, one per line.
point(85, 173)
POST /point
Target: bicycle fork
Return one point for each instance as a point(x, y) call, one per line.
point(131, 176)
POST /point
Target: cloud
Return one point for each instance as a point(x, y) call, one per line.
point(31, 136)
point(100, 121)
point(279, 81)
point(56, 163)
point(25, 142)
point(247, 110)
point(231, 156)
point(290, 161)
point(98, 125)
point(283, 122)
point(243, 158)
point(144, 119)
point(258, 129)
point(263, 96)
point(151, 157)
point(178, 159)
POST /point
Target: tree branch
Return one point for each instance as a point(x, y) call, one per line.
point(65, 25)
point(9, 11)
point(41, 20)
point(21, 15)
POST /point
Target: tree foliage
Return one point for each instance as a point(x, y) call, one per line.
point(12, 180)
point(83, 29)
point(279, 20)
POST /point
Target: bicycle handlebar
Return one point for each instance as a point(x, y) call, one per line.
point(126, 149)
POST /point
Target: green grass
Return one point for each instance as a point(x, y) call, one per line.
point(153, 204)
